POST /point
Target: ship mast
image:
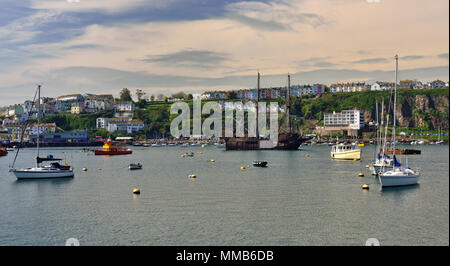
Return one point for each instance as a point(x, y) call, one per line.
point(38, 123)
point(288, 104)
point(257, 102)
point(395, 103)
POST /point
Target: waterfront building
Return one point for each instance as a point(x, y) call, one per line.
point(350, 121)
point(102, 122)
point(125, 126)
point(63, 137)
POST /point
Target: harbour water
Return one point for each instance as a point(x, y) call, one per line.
point(302, 198)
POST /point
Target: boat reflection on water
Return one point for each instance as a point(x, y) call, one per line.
point(399, 190)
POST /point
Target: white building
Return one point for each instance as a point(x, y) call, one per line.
point(353, 119)
point(381, 86)
point(103, 122)
point(125, 126)
point(124, 107)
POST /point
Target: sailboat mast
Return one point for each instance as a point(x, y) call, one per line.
point(395, 102)
point(376, 130)
point(39, 122)
point(288, 105)
point(257, 102)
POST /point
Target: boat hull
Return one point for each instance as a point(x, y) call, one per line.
point(285, 142)
point(396, 181)
point(30, 174)
point(100, 152)
point(347, 155)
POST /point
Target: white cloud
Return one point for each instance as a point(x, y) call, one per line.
point(111, 6)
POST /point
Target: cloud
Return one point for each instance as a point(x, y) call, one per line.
point(443, 56)
point(272, 16)
point(319, 62)
point(412, 57)
point(106, 80)
point(110, 6)
point(189, 58)
point(371, 61)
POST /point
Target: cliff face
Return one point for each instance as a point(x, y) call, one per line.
point(417, 111)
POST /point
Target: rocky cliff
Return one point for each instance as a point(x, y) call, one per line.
point(429, 111)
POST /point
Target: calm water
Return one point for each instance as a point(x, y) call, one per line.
point(302, 198)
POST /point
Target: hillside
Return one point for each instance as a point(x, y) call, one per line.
point(427, 109)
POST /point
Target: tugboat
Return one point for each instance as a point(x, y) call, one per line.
point(109, 148)
point(286, 141)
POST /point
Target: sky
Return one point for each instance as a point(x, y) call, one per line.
point(165, 46)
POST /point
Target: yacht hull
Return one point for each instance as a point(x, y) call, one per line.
point(396, 181)
point(30, 174)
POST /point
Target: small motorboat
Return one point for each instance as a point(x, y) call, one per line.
point(260, 163)
point(135, 166)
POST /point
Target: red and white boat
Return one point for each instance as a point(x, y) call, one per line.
point(110, 148)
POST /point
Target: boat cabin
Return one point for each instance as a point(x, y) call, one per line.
point(342, 148)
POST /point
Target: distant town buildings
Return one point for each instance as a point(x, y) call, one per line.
point(382, 86)
point(11, 116)
point(349, 87)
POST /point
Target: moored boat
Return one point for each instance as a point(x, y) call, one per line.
point(135, 166)
point(260, 163)
point(54, 170)
point(398, 176)
point(3, 151)
point(345, 152)
point(110, 148)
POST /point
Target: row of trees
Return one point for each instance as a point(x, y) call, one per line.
point(125, 95)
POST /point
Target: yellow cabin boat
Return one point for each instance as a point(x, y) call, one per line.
point(345, 152)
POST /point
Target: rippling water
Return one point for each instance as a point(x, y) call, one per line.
point(302, 198)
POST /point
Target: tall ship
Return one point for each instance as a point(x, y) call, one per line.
point(111, 148)
point(41, 170)
point(286, 141)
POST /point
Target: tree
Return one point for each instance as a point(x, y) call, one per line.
point(179, 95)
point(125, 95)
point(231, 95)
point(152, 98)
point(161, 97)
point(139, 93)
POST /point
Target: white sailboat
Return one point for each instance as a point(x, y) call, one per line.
point(398, 176)
point(382, 161)
point(40, 171)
